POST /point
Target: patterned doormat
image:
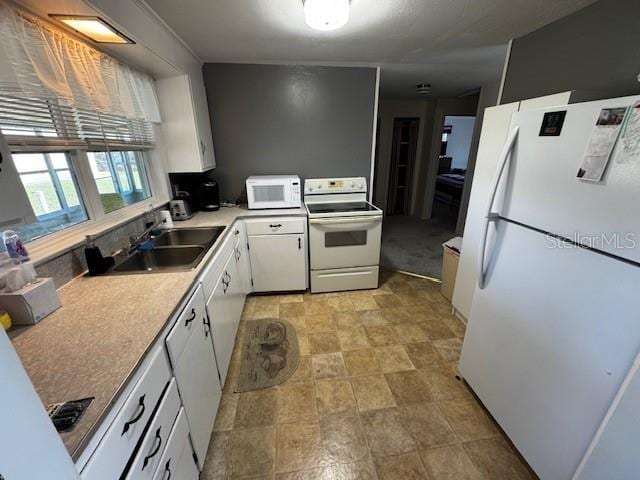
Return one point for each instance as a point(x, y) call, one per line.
point(270, 354)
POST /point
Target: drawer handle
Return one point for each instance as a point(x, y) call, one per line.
point(167, 468)
point(207, 323)
point(237, 232)
point(276, 225)
point(191, 318)
point(155, 452)
point(137, 417)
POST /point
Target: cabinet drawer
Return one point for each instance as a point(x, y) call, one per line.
point(177, 460)
point(275, 225)
point(155, 441)
point(189, 319)
point(110, 458)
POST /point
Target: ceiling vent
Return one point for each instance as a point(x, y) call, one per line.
point(423, 88)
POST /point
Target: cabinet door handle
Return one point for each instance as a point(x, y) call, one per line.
point(203, 147)
point(299, 243)
point(167, 468)
point(207, 323)
point(191, 318)
point(237, 232)
point(135, 418)
point(155, 451)
point(276, 225)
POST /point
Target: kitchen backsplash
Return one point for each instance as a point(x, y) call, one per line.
point(70, 264)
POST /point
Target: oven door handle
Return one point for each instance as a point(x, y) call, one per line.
point(350, 220)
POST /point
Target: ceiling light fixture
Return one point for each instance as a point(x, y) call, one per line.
point(326, 15)
point(94, 28)
point(423, 88)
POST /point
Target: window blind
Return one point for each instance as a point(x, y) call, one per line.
point(39, 121)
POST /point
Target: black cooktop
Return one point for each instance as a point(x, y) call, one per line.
point(338, 207)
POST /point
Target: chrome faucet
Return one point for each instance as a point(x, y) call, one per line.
point(136, 240)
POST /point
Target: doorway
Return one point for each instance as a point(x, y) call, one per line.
point(403, 157)
point(455, 145)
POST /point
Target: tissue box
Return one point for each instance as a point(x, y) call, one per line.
point(31, 303)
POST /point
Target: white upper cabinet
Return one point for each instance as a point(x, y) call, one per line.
point(17, 208)
point(185, 123)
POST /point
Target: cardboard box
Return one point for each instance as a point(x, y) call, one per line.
point(31, 303)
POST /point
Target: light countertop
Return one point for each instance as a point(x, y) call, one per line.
point(92, 345)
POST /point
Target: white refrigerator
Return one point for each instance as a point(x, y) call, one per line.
point(554, 326)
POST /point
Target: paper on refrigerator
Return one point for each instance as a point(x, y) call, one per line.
point(602, 141)
point(629, 151)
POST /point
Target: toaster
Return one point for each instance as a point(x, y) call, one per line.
point(180, 210)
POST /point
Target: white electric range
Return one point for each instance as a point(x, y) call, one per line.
point(344, 234)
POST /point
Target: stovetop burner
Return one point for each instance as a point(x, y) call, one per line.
point(340, 207)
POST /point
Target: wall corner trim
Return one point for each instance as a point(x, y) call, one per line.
point(373, 139)
point(504, 71)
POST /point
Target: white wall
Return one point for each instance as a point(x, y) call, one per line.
point(459, 140)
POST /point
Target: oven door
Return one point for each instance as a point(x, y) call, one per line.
point(345, 241)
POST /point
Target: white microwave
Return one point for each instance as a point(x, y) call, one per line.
point(273, 191)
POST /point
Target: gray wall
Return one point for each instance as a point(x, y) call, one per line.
point(593, 51)
point(282, 119)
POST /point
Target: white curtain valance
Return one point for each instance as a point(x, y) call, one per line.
point(38, 60)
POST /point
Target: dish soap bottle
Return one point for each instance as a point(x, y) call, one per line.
point(15, 248)
point(96, 263)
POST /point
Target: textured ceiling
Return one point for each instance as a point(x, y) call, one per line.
point(454, 44)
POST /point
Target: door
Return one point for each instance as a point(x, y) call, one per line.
point(549, 341)
point(199, 385)
point(235, 289)
point(542, 189)
point(223, 324)
point(344, 241)
point(278, 262)
point(495, 128)
point(403, 157)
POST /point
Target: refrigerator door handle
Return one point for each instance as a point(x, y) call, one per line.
point(491, 216)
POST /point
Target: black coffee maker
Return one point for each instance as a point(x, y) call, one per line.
point(201, 187)
point(209, 195)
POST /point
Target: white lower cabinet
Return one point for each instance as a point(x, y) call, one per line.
point(278, 262)
point(242, 260)
point(222, 308)
point(177, 461)
point(196, 373)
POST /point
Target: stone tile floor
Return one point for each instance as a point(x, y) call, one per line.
point(375, 395)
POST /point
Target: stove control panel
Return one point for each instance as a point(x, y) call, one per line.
point(335, 185)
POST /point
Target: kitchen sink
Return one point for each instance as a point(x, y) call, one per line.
point(188, 236)
point(178, 249)
point(161, 259)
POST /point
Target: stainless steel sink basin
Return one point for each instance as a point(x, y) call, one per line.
point(175, 250)
point(188, 236)
point(161, 259)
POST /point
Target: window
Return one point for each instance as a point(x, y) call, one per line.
point(121, 178)
point(52, 188)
